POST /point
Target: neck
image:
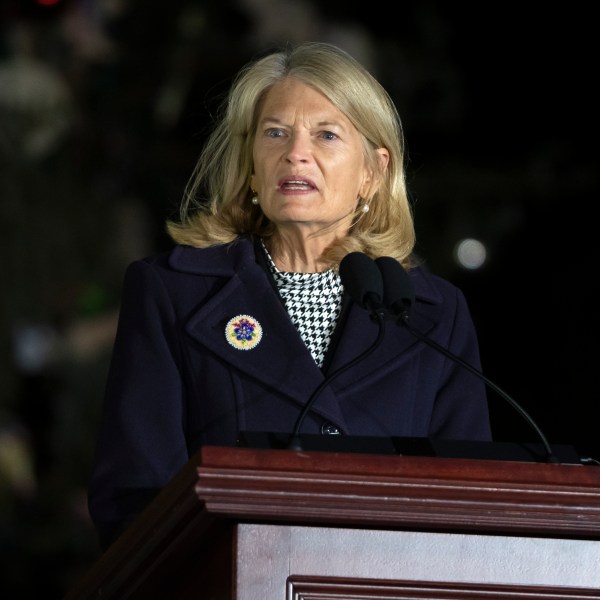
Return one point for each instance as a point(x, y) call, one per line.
point(297, 255)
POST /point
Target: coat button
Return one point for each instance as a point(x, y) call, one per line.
point(329, 429)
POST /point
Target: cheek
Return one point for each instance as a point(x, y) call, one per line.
point(257, 176)
point(261, 167)
point(357, 177)
point(364, 178)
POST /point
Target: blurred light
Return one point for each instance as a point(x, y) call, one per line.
point(470, 253)
point(47, 2)
point(36, 108)
point(34, 347)
point(16, 461)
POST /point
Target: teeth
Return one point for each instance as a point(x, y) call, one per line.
point(301, 184)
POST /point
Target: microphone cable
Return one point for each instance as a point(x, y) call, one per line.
point(398, 298)
point(362, 281)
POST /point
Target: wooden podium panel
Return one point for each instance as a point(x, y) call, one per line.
point(248, 524)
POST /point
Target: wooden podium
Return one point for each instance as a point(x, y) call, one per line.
point(258, 524)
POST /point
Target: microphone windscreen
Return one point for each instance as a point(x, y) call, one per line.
point(398, 289)
point(361, 279)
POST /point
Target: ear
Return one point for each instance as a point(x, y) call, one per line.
point(383, 155)
point(372, 180)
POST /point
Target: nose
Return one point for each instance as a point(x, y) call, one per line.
point(299, 148)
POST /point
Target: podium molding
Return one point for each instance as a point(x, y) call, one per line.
point(244, 524)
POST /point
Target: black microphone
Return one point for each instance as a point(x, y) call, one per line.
point(398, 289)
point(398, 298)
point(363, 282)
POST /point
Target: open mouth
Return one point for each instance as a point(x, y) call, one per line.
point(296, 185)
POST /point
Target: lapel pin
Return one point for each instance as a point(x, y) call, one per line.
point(243, 332)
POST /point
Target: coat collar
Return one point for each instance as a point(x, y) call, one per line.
point(214, 261)
point(224, 261)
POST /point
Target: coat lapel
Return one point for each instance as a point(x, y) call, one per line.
point(280, 360)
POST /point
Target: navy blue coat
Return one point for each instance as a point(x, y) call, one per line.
point(176, 383)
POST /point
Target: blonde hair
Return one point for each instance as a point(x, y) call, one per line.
point(216, 206)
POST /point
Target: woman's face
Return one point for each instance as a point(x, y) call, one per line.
point(309, 163)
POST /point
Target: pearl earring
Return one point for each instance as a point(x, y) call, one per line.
point(254, 200)
point(365, 208)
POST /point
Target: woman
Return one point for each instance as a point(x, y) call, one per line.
point(240, 323)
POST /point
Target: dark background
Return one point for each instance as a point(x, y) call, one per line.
point(103, 110)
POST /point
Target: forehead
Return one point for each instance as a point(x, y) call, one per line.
point(291, 96)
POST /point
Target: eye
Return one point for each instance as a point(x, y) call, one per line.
point(274, 132)
point(328, 135)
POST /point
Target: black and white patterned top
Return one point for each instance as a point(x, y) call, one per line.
point(313, 301)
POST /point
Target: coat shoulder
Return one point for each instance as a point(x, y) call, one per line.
point(432, 288)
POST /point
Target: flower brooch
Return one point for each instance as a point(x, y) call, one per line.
point(243, 332)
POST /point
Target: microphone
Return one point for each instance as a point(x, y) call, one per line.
point(363, 282)
point(399, 296)
point(398, 290)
